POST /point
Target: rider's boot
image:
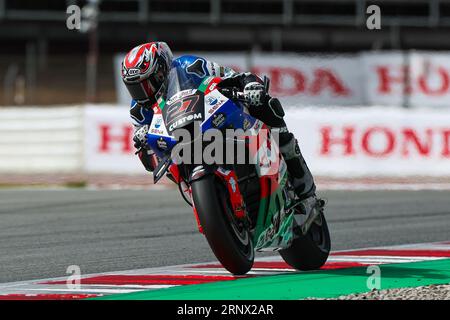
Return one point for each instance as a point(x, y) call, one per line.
point(302, 181)
point(301, 177)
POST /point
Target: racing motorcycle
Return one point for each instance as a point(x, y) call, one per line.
point(241, 208)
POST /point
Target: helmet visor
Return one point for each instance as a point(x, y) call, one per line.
point(146, 90)
point(142, 92)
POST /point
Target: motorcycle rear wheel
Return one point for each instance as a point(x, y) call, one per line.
point(230, 241)
point(310, 251)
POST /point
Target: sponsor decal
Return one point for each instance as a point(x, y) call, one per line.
point(213, 109)
point(212, 86)
point(161, 143)
point(181, 121)
point(185, 105)
point(246, 124)
point(156, 131)
point(133, 72)
point(158, 123)
point(207, 81)
point(212, 101)
point(180, 95)
point(233, 184)
point(218, 120)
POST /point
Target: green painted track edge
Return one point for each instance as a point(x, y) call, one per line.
point(301, 285)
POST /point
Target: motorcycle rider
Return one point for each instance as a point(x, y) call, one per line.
point(145, 71)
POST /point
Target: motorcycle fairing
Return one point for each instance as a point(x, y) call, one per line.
point(274, 226)
point(158, 138)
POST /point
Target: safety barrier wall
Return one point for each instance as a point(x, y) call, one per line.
point(41, 139)
point(336, 142)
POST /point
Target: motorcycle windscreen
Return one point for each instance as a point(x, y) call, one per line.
point(185, 104)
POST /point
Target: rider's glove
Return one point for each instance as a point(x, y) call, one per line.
point(148, 159)
point(140, 137)
point(255, 94)
point(146, 155)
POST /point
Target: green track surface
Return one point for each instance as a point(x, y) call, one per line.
point(300, 285)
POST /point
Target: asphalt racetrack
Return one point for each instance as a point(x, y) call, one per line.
point(42, 232)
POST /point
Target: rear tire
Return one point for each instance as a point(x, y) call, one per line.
point(231, 243)
point(310, 251)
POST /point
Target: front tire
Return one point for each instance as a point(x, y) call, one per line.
point(310, 251)
point(230, 242)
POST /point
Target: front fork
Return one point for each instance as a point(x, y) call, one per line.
point(230, 179)
point(185, 190)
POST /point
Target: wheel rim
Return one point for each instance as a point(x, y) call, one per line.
point(239, 230)
point(241, 234)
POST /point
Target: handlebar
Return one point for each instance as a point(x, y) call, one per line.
point(232, 93)
point(240, 96)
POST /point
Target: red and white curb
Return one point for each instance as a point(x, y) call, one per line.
point(93, 285)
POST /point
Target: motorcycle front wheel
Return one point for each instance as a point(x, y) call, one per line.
point(228, 238)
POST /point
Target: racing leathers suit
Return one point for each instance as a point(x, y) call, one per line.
point(260, 104)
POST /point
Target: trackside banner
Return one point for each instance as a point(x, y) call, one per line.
point(373, 141)
point(411, 79)
point(295, 79)
point(108, 145)
point(336, 142)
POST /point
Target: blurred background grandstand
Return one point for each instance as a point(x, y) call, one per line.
point(44, 63)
